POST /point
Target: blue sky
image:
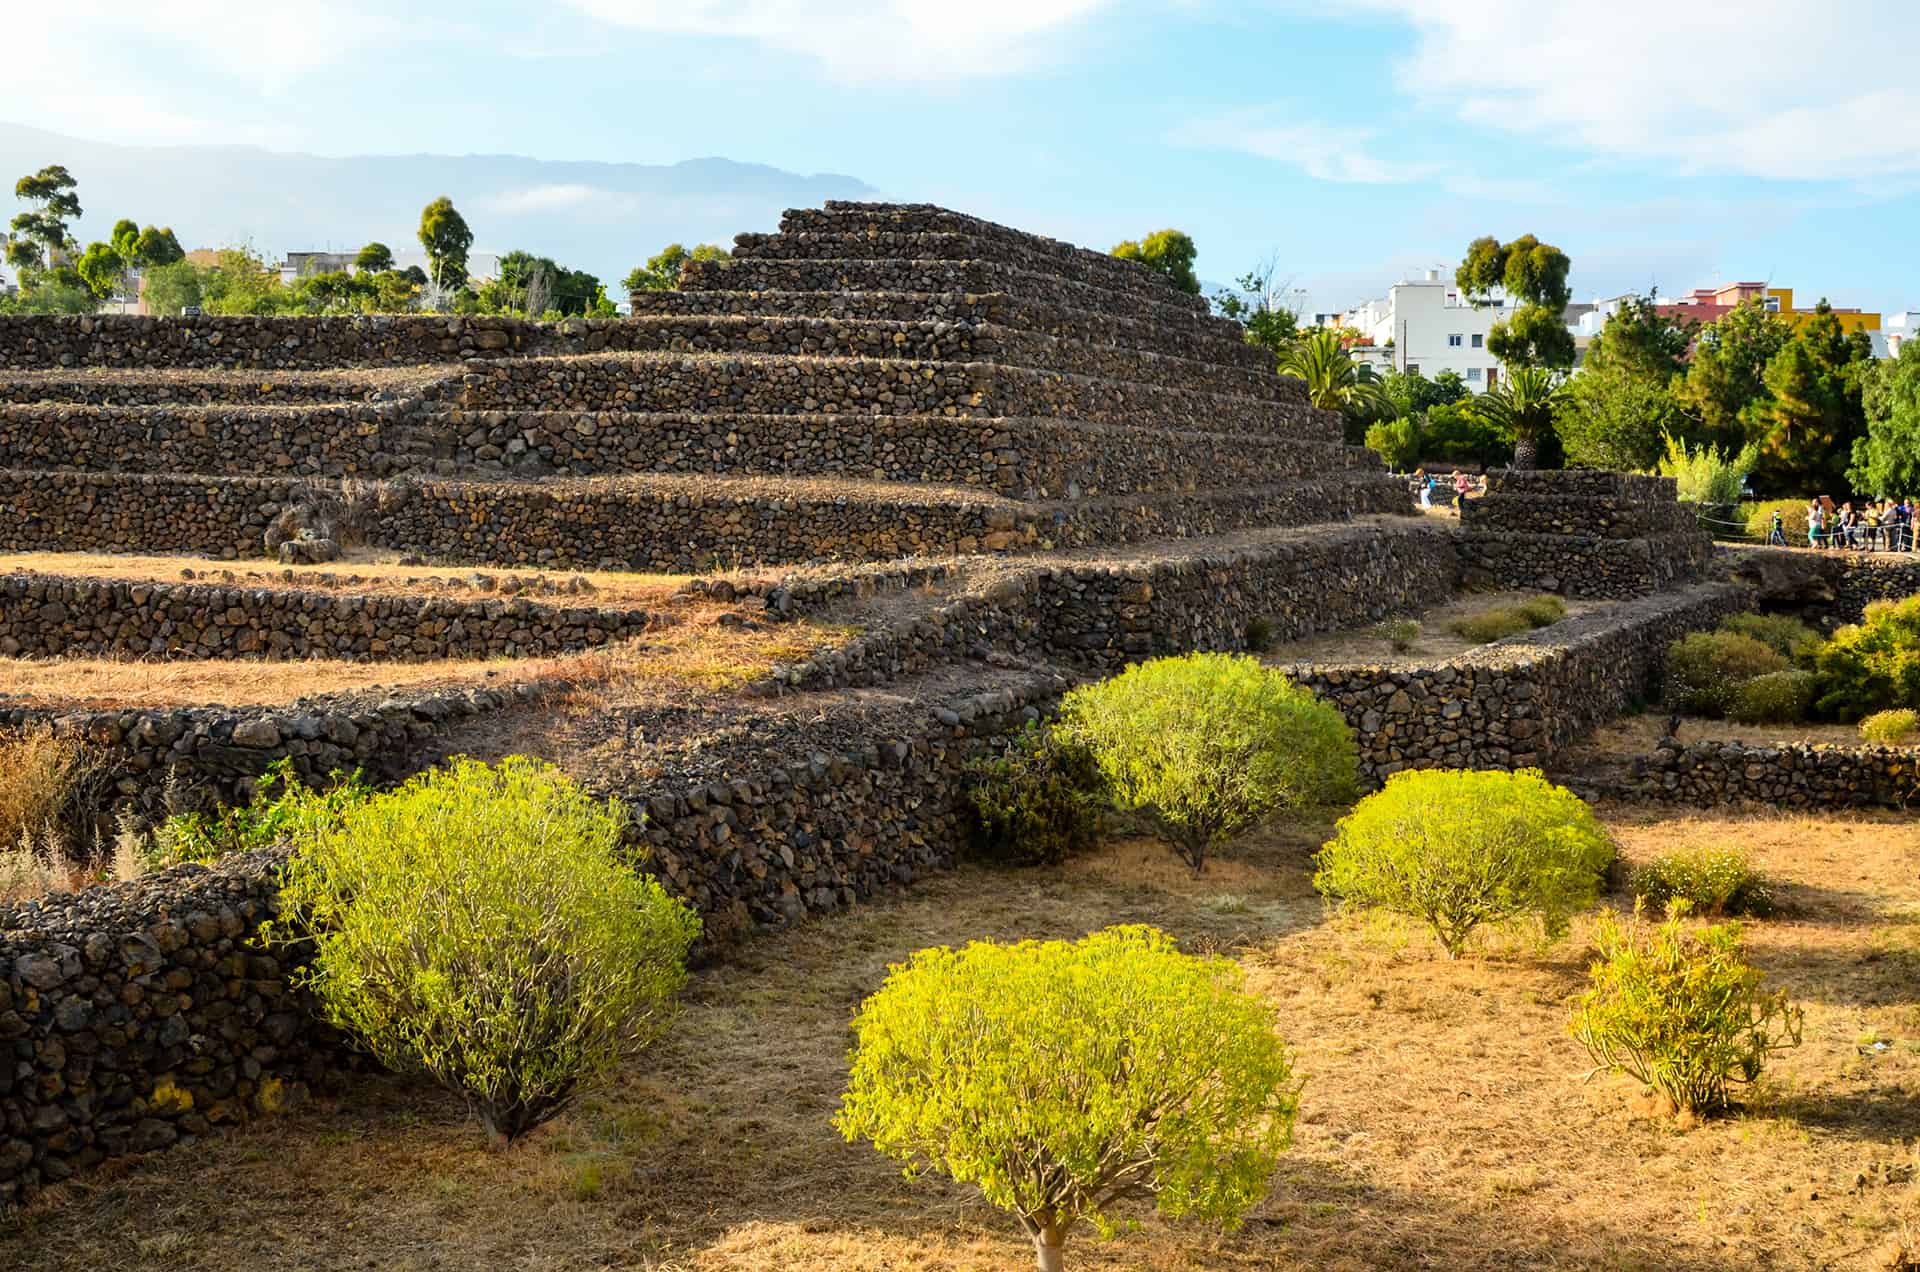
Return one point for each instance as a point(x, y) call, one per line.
point(1659, 144)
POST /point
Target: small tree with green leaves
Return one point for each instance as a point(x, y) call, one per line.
point(1208, 744)
point(1334, 382)
point(1534, 275)
point(447, 240)
point(662, 270)
point(1168, 252)
point(1460, 849)
point(1680, 1010)
point(480, 925)
point(1066, 1078)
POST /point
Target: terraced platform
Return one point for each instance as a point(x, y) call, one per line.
point(873, 380)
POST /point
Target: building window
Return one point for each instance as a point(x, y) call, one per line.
point(1473, 373)
point(1413, 368)
point(1773, 304)
point(1453, 342)
point(1479, 340)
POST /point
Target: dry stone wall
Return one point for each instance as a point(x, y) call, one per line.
point(1517, 702)
point(140, 1016)
point(1581, 533)
point(1785, 775)
point(50, 616)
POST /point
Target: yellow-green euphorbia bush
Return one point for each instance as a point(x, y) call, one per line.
point(1064, 1077)
point(1458, 849)
point(478, 925)
point(1208, 744)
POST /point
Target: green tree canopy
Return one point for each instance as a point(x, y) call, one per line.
point(447, 240)
point(1887, 460)
point(157, 246)
point(1622, 405)
point(41, 231)
point(1534, 275)
point(1413, 394)
point(535, 285)
point(1814, 413)
point(102, 269)
point(1171, 252)
point(1725, 384)
point(374, 258)
point(126, 239)
point(662, 270)
point(170, 288)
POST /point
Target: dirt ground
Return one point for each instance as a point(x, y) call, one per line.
point(1640, 734)
point(1447, 1120)
point(1435, 641)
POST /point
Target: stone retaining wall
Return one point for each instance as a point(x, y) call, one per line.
point(1103, 616)
point(658, 523)
point(144, 1015)
point(51, 616)
point(159, 760)
point(1786, 775)
point(1517, 702)
point(1583, 565)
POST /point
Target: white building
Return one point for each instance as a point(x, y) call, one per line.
point(1896, 330)
point(1425, 325)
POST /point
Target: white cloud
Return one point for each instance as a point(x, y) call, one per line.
point(1768, 88)
point(545, 198)
point(873, 39)
point(1322, 151)
point(116, 68)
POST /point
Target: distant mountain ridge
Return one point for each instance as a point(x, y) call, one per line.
point(597, 216)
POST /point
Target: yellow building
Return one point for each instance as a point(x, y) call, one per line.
point(1710, 304)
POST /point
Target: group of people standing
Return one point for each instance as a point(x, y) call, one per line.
point(1425, 483)
point(1876, 524)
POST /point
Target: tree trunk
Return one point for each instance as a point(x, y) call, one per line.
point(1050, 1250)
point(1526, 452)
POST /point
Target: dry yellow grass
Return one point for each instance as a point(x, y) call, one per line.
point(378, 571)
point(1436, 640)
point(38, 771)
point(1445, 1123)
point(696, 651)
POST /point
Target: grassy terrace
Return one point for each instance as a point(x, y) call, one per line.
point(1445, 1122)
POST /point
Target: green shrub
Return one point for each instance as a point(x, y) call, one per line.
point(282, 807)
point(1890, 728)
point(1510, 620)
point(1680, 1011)
point(1459, 849)
point(1714, 880)
point(1708, 474)
point(1542, 610)
point(1038, 801)
point(1779, 697)
point(1396, 441)
point(1793, 519)
point(1494, 624)
point(1401, 633)
point(1208, 744)
point(1062, 1076)
point(1788, 637)
point(1873, 665)
point(478, 925)
point(1706, 669)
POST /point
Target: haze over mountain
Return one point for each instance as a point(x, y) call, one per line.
point(601, 217)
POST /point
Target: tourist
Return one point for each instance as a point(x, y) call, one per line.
point(1816, 525)
point(1777, 532)
point(1423, 485)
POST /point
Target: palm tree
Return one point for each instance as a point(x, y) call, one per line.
point(1333, 380)
point(1523, 409)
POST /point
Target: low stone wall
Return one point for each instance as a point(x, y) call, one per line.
point(144, 1015)
point(1786, 775)
point(1103, 616)
point(1517, 702)
point(54, 616)
point(159, 760)
point(292, 343)
point(1583, 565)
